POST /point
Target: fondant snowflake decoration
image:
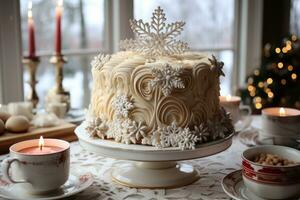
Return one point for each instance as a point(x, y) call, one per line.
point(173, 136)
point(216, 65)
point(156, 38)
point(122, 105)
point(169, 135)
point(186, 139)
point(99, 61)
point(202, 132)
point(167, 78)
point(97, 127)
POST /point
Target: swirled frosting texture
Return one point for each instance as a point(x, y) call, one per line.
point(131, 74)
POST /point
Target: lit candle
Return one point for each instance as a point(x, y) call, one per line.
point(31, 38)
point(282, 112)
point(41, 149)
point(280, 126)
point(58, 14)
point(228, 99)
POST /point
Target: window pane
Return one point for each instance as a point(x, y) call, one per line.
point(79, 32)
point(209, 23)
point(209, 26)
point(77, 80)
point(295, 17)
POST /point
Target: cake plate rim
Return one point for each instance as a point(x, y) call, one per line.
point(143, 153)
point(151, 167)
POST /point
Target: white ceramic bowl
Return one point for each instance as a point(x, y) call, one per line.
point(272, 182)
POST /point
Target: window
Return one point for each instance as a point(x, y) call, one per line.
point(295, 17)
point(82, 38)
point(209, 27)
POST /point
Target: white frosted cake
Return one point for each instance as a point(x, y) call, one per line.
point(155, 93)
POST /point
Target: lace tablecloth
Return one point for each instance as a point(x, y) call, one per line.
point(212, 169)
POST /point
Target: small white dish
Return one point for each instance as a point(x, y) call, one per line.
point(233, 185)
point(250, 137)
point(75, 184)
point(243, 123)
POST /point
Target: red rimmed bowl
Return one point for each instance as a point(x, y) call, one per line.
point(272, 182)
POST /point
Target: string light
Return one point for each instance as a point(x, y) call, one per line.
point(294, 76)
point(267, 90)
point(261, 84)
point(283, 81)
point(270, 94)
point(290, 68)
point(251, 88)
point(284, 50)
point(257, 99)
point(288, 47)
point(294, 37)
point(269, 81)
point(280, 65)
point(277, 50)
point(258, 105)
point(256, 72)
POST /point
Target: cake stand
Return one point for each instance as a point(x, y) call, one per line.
point(151, 167)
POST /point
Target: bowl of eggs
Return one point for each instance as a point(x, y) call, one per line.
point(272, 171)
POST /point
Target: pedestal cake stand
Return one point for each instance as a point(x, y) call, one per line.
point(152, 167)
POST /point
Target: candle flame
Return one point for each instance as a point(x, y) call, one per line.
point(41, 143)
point(29, 5)
point(29, 14)
point(228, 98)
point(60, 3)
point(30, 9)
point(282, 112)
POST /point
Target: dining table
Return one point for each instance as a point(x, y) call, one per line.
point(211, 169)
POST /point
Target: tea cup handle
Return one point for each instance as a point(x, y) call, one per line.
point(246, 108)
point(6, 163)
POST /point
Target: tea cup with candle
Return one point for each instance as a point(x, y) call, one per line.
point(39, 166)
point(232, 105)
point(280, 126)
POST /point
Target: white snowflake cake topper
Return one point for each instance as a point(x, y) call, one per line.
point(100, 60)
point(156, 38)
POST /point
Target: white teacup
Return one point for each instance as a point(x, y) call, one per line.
point(36, 173)
point(232, 105)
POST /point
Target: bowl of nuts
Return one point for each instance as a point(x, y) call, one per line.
point(272, 171)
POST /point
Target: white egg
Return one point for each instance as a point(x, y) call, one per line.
point(4, 116)
point(2, 127)
point(17, 124)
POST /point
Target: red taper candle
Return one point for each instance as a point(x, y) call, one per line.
point(31, 39)
point(58, 14)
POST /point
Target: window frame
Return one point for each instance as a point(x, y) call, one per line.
point(248, 16)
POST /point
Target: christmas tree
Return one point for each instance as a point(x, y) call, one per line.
point(277, 81)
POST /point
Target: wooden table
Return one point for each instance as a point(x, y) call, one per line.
point(63, 131)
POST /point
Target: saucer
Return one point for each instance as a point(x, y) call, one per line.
point(233, 186)
point(249, 137)
point(75, 184)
